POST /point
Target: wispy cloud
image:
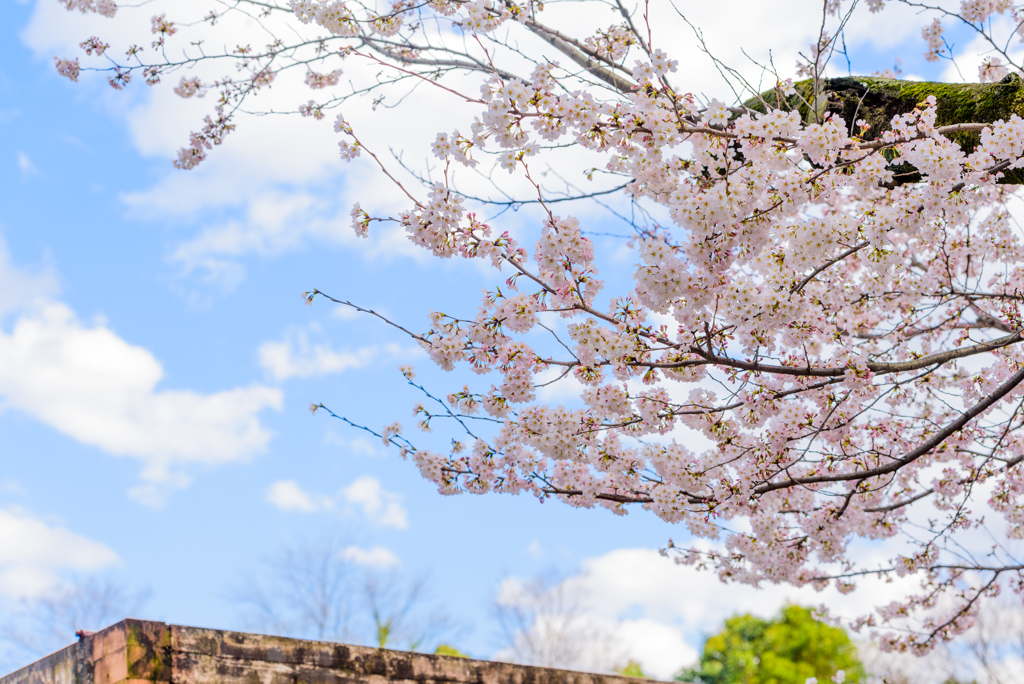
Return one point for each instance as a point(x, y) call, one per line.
point(535, 549)
point(88, 383)
point(295, 356)
point(20, 287)
point(377, 557)
point(287, 495)
point(677, 605)
point(26, 166)
point(376, 503)
point(366, 494)
point(358, 445)
point(10, 486)
point(34, 552)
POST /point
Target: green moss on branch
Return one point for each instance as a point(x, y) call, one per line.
point(877, 100)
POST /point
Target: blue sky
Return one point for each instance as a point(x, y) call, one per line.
point(157, 364)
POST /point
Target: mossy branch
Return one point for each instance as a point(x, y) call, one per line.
point(877, 100)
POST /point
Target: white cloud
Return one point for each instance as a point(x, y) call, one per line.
point(20, 287)
point(969, 57)
point(304, 196)
point(91, 385)
point(380, 506)
point(26, 166)
point(287, 495)
point(553, 388)
point(377, 557)
point(276, 221)
point(357, 445)
point(274, 207)
point(660, 647)
point(377, 504)
point(535, 549)
point(907, 668)
point(8, 485)
point(294, 356)
point(678, 605)
point(88, 383)
point(33, 552)
point(630, 578)
point(554, 627)
point(345, 313)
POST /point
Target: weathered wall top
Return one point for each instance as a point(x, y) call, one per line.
point(141, 652)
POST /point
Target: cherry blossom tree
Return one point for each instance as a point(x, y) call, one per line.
point(821, 342)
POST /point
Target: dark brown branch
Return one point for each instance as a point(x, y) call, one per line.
point(941, 436)
point(564, 45)
point(856, 248)
point(878, 368)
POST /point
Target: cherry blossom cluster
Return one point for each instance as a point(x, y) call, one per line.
point(92, 45)
point(991, 70)
point(932, 34)
point(189, 86)
point(312, 109)
point(612, 44)
point(106, 8)
point(68, 68)
point(979, 11)
point(317, 81)
point(979, 16)
point(211, 134)
point(162, 29)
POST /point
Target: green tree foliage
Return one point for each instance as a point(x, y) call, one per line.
point(446, 650)
point(632, 669)
point(785, 650)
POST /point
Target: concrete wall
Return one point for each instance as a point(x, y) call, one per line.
point(136, 652)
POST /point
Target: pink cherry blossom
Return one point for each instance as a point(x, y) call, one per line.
point(815, 347)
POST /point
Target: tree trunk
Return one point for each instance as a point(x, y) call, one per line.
point(878, 100)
